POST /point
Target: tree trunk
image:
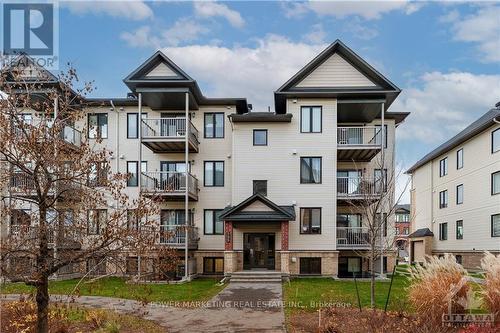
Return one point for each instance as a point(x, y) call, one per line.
point(372, 277)
point(42, 288)
point(42, 304)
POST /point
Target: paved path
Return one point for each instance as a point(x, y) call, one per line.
point(240, 307)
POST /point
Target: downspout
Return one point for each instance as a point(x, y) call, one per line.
point(186, 193)
point(384, 177)
point(139, 178)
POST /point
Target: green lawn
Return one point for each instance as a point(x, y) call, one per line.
point(196, 290)
point(306, 292)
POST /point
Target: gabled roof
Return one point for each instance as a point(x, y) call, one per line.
point(158, 58)
point(173, 85)
point(486, 120)
point(403, 207)
point(275, 212)
point(381, 87)
point(424, 232)
point(25, 61)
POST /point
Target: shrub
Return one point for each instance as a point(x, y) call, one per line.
point(491, 293)
point(435, 285)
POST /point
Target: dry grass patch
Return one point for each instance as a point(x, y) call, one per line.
point(491, 293)
point(20, 317)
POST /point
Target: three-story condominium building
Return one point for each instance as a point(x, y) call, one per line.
point(455, 195)
point(260, 190)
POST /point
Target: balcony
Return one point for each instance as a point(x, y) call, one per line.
point(352, 238)
point(175, 236)
point(358, 188)
point(29, 234)
point(358, 143)
point(70, 135)
point(22, 184)
point(169, 185)
point(168, 135)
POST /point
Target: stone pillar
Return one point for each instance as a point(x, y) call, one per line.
point(229, 254)
point(284, 254)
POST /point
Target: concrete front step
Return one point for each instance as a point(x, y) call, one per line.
point(256, 276)
point(238, 280)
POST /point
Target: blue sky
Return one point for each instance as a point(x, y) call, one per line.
point(444, 56)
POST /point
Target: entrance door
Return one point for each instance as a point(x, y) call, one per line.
point(258, 251)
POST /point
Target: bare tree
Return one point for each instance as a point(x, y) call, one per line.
point(62, 204)
point(375, 200)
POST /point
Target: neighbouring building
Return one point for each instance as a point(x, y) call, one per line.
point(402, 229)
point(265, 190)
point(455, 195)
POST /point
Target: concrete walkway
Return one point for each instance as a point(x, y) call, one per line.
point(240, 307)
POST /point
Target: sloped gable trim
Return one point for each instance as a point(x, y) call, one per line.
point(335, 72)
point(253, 199)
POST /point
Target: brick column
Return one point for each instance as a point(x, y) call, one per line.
point(229, 254)
point(285, 254)
point(284, 235)
point(228, 235)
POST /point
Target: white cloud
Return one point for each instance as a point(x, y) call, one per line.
point(368, 9)
point(183, 30)
point(134, 10)
point(208, 9)
point(482, 28)
point(251, 72)
point(316, 35)
point(360, 29)
point(445, 104)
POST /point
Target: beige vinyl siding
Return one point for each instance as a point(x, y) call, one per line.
point(161, 70)
point(335, 72)
point(210, 150)
point(280, 166)
point(478, 203)
point(243, 228)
